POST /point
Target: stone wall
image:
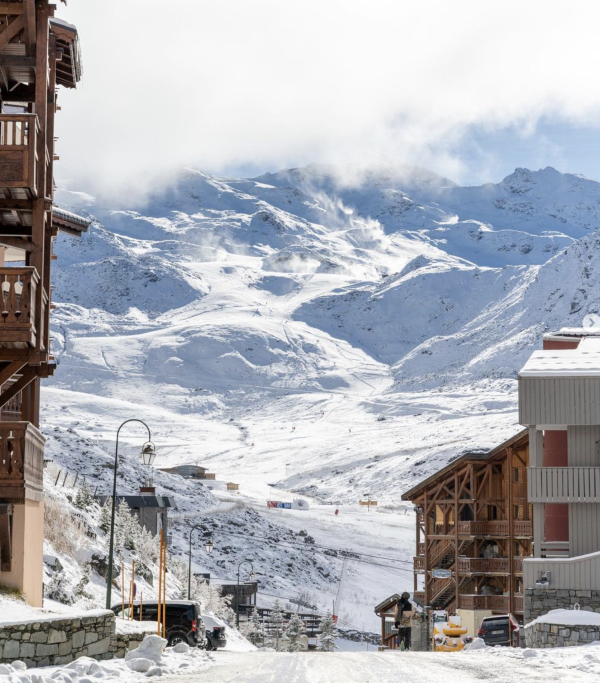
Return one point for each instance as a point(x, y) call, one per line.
point(558, 635)
point(538, 601)
point(50, 642)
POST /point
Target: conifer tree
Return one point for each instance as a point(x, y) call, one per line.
point(105, 516)
point(274, 625)
point(328, 634)
point(253, 630)
point(84, 498)
point(294, 632)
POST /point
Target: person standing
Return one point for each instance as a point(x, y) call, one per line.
point(403, 612)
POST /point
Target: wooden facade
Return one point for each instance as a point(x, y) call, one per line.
point(38, 53)
point(473, 529)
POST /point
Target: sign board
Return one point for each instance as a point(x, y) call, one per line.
point(278, 504)
point(441, 574)
point(367, 502)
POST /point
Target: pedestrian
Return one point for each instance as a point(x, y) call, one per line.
point(402, 615)
point(336, 511)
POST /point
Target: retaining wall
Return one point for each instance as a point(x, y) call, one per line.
point(559, 635)
point(538, 601)
point(52, 641)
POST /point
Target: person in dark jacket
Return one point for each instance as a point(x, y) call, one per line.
point(402, 615)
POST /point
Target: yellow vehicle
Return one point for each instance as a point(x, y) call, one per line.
point(449, 635)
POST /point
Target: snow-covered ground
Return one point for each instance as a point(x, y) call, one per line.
point(307, 339)
point(492, 664)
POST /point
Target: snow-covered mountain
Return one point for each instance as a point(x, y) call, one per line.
point(264, 318)
point(297, 333)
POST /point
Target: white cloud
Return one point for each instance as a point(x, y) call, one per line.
point(273, 83)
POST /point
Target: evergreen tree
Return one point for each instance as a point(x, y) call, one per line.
point(294, 632)
point(84, 498)
point(253, 630)
point(80, 589)
point(274, 625)
point(126, 528)
point(328, 634)
point(105, 516)
point(59, 588)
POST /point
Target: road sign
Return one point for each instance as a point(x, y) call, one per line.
point(441, 574)
point(279, 505)
point(367, 502)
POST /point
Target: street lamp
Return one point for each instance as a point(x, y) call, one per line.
point(209, 548)
point(147, 454)
point(237, 595)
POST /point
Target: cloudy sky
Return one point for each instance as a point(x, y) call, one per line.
point(469, 88)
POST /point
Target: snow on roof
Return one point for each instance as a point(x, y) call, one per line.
point(584, 361)
point(568, 617)
point(574, 332)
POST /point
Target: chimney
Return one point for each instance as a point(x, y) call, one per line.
point(148, 488)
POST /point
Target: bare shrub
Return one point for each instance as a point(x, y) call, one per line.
point(61, 528)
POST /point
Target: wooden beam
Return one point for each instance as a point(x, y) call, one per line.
point(10, 204)
point(15, 230)
point(15, 243)
point(29, 374)
point(11, 369)
point(11, 31)
point(6, 8)
point(17, 60)
point(29, 15)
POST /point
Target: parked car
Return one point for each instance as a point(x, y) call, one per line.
point(215, 633)
point(183, 620)
point(499, 629)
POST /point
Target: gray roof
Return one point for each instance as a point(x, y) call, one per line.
point(136, 502)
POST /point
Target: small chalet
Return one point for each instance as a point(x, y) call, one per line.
point(473, 529)
point(190, 472)
point(248, 592)
point(152, 511)
point(232, 487)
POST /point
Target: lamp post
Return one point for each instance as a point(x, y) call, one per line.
point(209, 548)
point(237, 595)
point(148, 454)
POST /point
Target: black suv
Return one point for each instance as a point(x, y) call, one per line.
point(500, 629)
point(183, 620)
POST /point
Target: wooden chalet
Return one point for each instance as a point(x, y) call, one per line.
point(38, 54)
point(473, 529)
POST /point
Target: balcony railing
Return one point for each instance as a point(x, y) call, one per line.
point(521, 529)
point(18, 291)
point(496, 603)
point(491, 565)
point(563, 484)
point(21, 461)
point(18, 151)
point(419, 564)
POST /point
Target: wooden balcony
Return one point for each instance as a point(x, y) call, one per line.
point(18, 293)
point(18, 152)
point(495, 603)
point(492, 565)
point(495, 528)
point(419, 564)
point(21, 461)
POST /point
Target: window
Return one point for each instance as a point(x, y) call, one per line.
point(517, 549)
point(517, 471)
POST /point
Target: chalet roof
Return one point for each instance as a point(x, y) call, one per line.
point(69, 222)
point(137, 502)
point(584, 361)
point(387, 604)
point(481, 455)
point(68, 67)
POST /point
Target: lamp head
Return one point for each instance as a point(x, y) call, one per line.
point(148, 453)
point(252, 576)
point(209, 546)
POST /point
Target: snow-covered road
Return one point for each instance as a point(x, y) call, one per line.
point(376, 667)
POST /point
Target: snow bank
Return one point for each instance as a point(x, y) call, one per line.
point(235, 640)
point(126, 626)
point(151, 660)
point(17, 612)
point(568, 617)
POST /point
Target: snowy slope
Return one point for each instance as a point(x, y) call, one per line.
point(329, 338)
